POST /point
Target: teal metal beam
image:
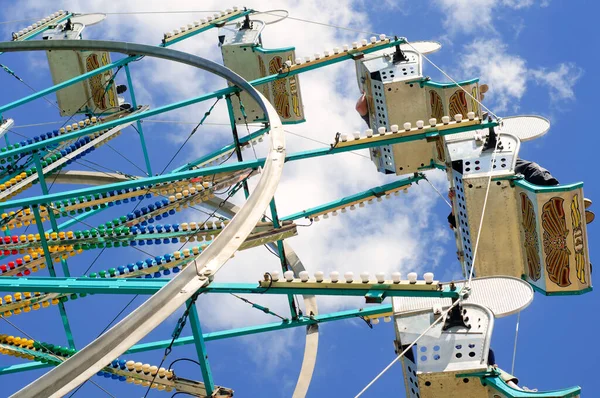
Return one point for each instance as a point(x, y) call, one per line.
point(61, 306)
point(376, 191)
point(152, 285)
point(282, 259)
point(236, 140)
point(226, 149)
point(139, 124)
point(225, 334)
point(45, 191)
point(201, 350)
point(40, 227)
point(212, 25)
point(79, 78)
point(498, 384)
point(248, 164)
point(166, 108)
point(66, 83)
point(34, 33)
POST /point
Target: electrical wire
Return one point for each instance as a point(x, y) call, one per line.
point(437, 191)
point(512, 370)
point(322, 24)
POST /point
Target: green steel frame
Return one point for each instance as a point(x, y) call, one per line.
point(225, 334)
point(68, 284)
point(152, 285)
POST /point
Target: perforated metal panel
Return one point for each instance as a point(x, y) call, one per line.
point(462, 223)
point(411, 381)
point(526, 128)
point(456, 348)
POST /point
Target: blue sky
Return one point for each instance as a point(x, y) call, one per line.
point(534, 56)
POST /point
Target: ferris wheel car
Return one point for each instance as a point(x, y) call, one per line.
point(530, 231)
point(242, 50)
point(452, 359)
point(90, 95)
point(397, 92)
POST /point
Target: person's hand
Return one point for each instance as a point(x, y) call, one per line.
point(361, 105)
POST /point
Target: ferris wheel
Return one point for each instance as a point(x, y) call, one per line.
point(515, 235)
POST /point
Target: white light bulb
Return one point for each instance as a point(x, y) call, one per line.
point(288, 63)
point(471, 115)
point(356, 135)
point(407, 126)
point(364, 276)
point(317, 56)
point(387, 319)
point(373, 39)
point(345, 47)
point(369, 133)
point(288, 275)
point(458, 117)
point(394, 128)
point(298, 61)
point(445, 119)
point(349, 276)
point(275, 275)
point(303, 276)
point(382, 37)
point(334, 276)
point(343, 137)
point(380, 276)
point(336, 50)
point(396, 277)
point(354, 44)
point(319, 276)
point(381, 130)
point(326, 53)
point(428, 276)
point(364, 42)
point(412, 277)
point(375, 321)
point(432, 121)
point(420, 124)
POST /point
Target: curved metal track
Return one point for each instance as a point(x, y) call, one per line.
point(157, 308)
point(311, 345)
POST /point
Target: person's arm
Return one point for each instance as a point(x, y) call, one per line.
point(363, 109)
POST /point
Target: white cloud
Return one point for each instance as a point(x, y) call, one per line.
point(508, 75)
point(560, 81)
point(505, 73)
point(474, 15)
